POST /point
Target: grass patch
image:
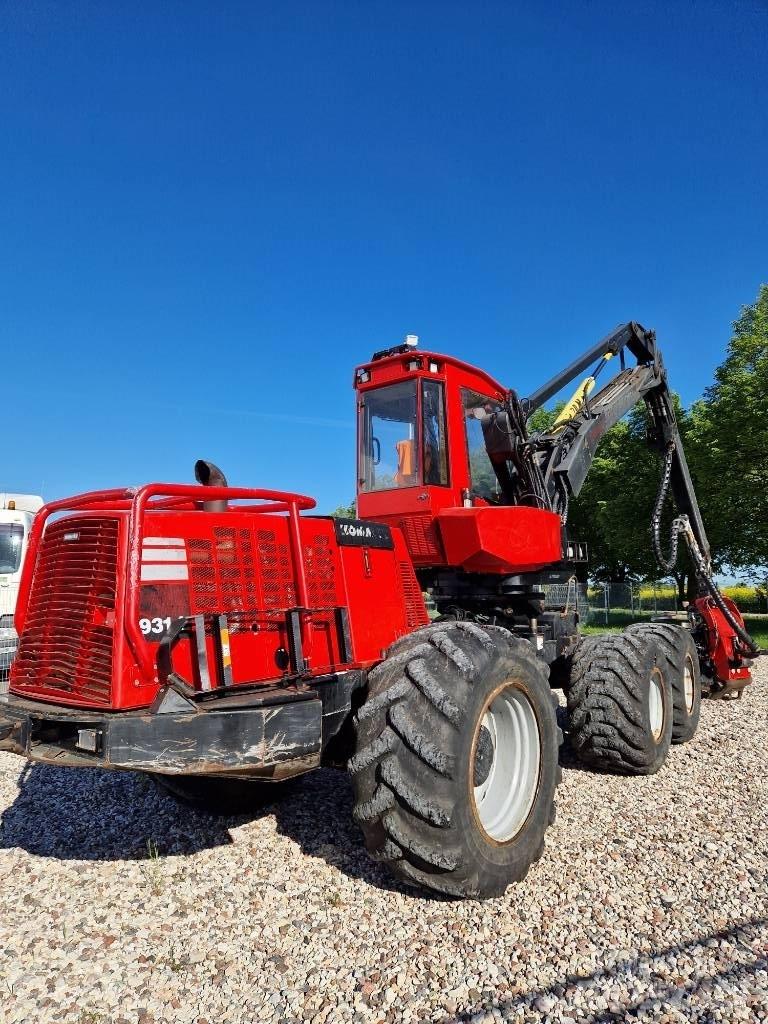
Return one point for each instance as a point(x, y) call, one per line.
point(757, 626)
point(153, 870)
point(757, 629)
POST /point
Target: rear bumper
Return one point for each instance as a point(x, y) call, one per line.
point(267, 736)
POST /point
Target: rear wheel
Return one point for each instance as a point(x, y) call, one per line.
point(457, 759)
point(682, 670)
point(620, 704)
point(221, 796)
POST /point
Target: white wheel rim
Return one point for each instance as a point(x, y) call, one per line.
point(504, 798)
point(688, 685)
point(656, 703)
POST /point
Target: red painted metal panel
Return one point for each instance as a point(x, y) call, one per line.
point(729, 663)
point(500, 540)
point(384, 598)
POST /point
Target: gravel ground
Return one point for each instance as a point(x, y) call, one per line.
point(117, 905)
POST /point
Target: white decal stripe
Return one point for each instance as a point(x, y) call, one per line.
point(163, 542)
point(163, 555)
point(164, 573)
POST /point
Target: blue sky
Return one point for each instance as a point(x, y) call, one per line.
point(210, 212)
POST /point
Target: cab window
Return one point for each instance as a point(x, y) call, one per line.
point(389, 454)
point(433, 423)
point(483, 481)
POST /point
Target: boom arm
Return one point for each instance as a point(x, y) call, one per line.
point(551, 468)
point(565, 453)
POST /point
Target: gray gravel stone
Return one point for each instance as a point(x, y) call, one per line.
point(118, 906)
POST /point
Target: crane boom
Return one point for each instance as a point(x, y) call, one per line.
point(565, 454)
point(559, 459)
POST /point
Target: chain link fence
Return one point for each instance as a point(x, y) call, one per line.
point(605, 598)
point(568, 596)
point(596, 603)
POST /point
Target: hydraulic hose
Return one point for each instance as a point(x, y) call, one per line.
point(667, 563)
point(681, 525)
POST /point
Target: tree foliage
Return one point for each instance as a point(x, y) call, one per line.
point(724, 436)
point(730, 445)
point(345, 511)
point(613, 511)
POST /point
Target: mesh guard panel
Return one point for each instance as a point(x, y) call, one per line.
point(322, 579)
point(276, 572)
point(244, 572)
point(66, 647)
point(415, 610)
point(422, 537)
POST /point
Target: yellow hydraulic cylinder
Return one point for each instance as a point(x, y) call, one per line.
point(576, 404)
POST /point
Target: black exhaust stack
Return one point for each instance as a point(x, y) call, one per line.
point(209, 475)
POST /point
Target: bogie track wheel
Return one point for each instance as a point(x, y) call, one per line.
point(456, 760)
point(682, 670)
point(620, 703)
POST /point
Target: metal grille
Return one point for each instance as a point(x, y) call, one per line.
point(202, 576)
point(222, 573)
point(8, 644)
point(242, 571)
point(276, 571)
point(322, 580)
point(415, 610)
point(421, 536)
point(67, 641)
point(569, 597)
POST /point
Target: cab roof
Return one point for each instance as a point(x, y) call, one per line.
point(389, 361)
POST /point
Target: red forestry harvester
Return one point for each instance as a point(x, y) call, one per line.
point(214, 636)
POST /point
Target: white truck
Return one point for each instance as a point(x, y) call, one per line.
point(16, 514)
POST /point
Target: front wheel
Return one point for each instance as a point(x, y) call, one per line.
point(457, 759)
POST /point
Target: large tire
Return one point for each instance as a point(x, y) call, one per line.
point(221, 796)
point(435, 777)
point(683, 672)
point(620, 704)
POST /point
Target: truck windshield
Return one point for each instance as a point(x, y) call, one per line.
point(389, 449)
point(11, 536)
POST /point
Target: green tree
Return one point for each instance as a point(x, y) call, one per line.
point(730, 460)
point(345, 511)
point(613, 511)
point(542, 419)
